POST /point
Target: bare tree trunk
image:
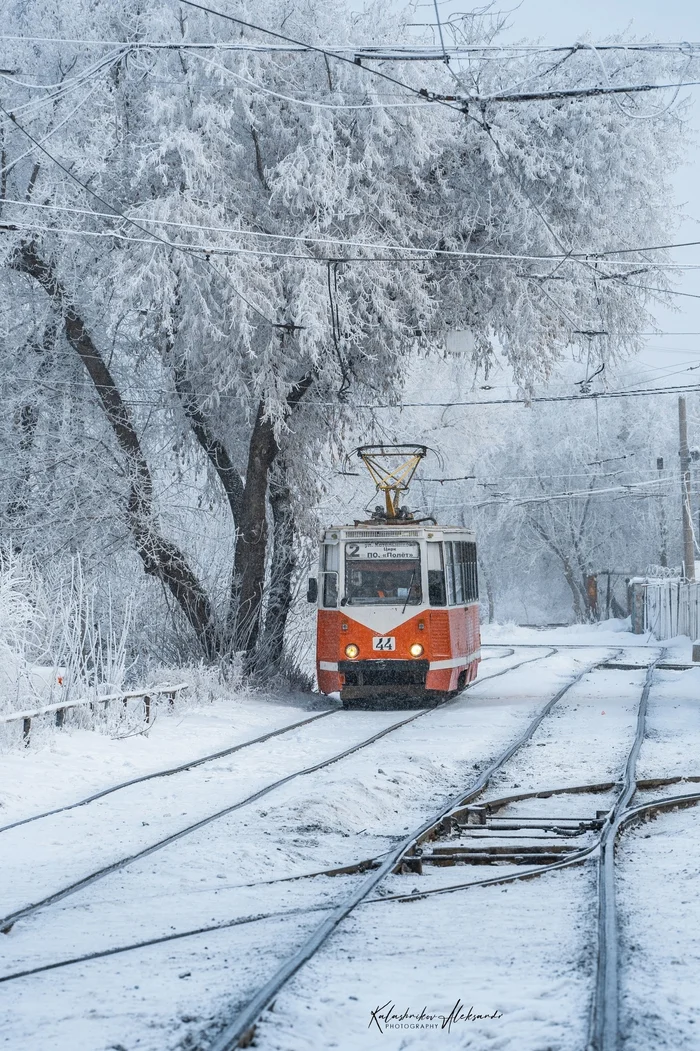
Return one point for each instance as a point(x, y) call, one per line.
point(251, 541)
point(159, 556)
point(279, 598)
point(213, 447)
point(247, 585)
point(578, 595)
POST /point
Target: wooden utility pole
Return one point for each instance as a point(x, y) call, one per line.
point(688, 546)
point(663, 555)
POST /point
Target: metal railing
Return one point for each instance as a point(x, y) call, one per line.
point(61, 707)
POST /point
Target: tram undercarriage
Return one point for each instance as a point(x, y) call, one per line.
point(391, 684)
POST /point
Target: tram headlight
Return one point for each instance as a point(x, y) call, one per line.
point(352, 651)
point(416, 650)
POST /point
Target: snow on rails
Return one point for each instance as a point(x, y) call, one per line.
point(468, 829)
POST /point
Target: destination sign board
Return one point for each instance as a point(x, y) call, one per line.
point(381, 550)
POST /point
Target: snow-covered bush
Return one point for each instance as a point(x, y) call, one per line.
point(53, 646)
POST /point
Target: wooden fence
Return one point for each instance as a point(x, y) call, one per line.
point(666, 608)
point(59, 709)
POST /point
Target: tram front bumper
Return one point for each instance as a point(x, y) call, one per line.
point(366, 678)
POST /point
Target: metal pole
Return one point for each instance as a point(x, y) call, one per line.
point(688, 548)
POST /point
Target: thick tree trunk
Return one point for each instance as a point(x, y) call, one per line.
point(248, 581)
point(577, 593)
point(248, 578)
point(159, 556)
point(279, 596)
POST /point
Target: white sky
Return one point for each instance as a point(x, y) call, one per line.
point(670, 20)
point(557, 22)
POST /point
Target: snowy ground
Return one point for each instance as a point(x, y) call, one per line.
point(520, 956)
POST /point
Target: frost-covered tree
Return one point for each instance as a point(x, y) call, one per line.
point(557, 491)
point(300, 230)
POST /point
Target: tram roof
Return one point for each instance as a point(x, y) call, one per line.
point(381, 530)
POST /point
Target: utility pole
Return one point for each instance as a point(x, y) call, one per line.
point(663, 554)
point(688, 546)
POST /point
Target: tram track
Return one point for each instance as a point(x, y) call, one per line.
point(10, 919)
point(333, 912)
point(641, 812)
point(382, 867)
point(180, 768)
point(191, 764)
point(240, 1030)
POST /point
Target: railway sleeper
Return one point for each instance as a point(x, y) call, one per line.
point(513, 858)
point(577, 828)
point(496, 833)
point(552, 848)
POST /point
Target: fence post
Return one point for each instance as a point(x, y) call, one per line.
point(60, 716)
point(638, 608)
point(26, 730)
point(147, 708)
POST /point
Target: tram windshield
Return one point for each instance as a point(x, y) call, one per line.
point(382, 573)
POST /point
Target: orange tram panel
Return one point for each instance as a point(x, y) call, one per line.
point(398, 613)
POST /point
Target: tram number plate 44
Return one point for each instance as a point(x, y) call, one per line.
point(383, 642)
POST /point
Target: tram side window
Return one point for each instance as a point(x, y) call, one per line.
point(458, 589)
point(460, 563)
point(450, 572)
point(470, 566)
point(436, 576)
point(331, 565)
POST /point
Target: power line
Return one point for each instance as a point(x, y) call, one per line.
point(421, 255)
point(385, 52)
point(563, 93)
point(662, 291)
point(399, 406)
point(338, 56)
point(349, 243)
point(313, 103)
point(580, 398)
point(118, 212)
point(447, 99)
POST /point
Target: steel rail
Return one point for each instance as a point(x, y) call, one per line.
point(629, 815)
point(643, 785)
point(8, 921)
point(501, 656)
point(665, 803)
point(561, 646)
point(238, 1032)
point(190, 765)
point(116, 950)
point(604, 1015)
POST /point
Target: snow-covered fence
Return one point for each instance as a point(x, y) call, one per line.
point(666, 608)
point(59, 709)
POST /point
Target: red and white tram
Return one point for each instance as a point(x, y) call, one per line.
point(398, 610)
